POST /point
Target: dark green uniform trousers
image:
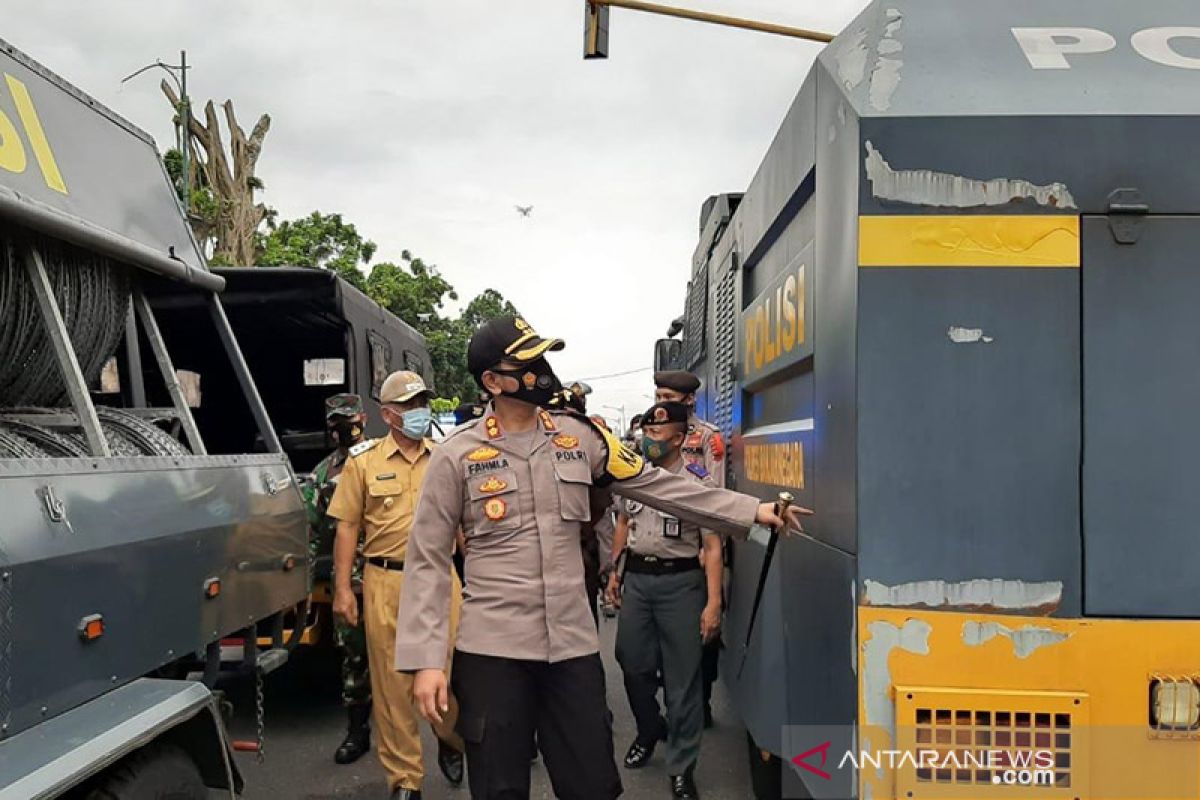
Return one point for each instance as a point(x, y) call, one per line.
point(660, 625)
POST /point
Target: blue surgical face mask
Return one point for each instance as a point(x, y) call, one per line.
point(416, 423)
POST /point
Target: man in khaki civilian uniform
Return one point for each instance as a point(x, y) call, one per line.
point(378, 492)
point(527, 655)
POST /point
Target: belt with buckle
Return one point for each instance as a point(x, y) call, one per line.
point(386, 563)
point(653, 565)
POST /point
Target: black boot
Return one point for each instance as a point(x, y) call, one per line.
point(639, 753)
point(358, 735)
point(450, 761)
point(683, 787)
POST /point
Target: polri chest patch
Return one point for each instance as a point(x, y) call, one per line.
point(495, 509)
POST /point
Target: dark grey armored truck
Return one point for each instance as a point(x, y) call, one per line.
point(130, 544)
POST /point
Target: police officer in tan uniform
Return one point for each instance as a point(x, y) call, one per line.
point(527, 654)
point(704, 444)
point(377, 493)
point(670, 600)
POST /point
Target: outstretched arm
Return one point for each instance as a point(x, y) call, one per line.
point(718, 510)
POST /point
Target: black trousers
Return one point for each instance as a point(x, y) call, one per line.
point(503, 702)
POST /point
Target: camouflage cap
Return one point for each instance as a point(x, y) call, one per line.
point(400, 387)
point(343, 405)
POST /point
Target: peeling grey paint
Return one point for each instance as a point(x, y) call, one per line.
point(884, 82)
point(925, 187)
point(877, 673)
point(995, 593)
point(852, 59)
point(885, 78)
point(968, 335)
point(1026, 640)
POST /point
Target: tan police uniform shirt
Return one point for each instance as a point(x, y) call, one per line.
point(520, 508)
point(659, 534)
point(379, 488)
point(705, 446)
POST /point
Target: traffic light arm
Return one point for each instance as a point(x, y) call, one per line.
point(717, 19)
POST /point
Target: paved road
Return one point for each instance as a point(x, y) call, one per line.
point(305, 722)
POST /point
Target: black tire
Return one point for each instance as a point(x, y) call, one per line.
point(766, 776)
point(161, 772)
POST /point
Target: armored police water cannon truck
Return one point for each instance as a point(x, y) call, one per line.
point(955, 314)
point(129, 544)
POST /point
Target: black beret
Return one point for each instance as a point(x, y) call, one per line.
point(677, 379)
point(664, 413)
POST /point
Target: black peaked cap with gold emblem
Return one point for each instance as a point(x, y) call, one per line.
point(506, 339)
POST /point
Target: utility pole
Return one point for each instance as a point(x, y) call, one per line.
point(184, 112)
point(595, 42)
point(186, 123)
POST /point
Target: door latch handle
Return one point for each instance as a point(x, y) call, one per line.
point(273, 486)
point(55, 509)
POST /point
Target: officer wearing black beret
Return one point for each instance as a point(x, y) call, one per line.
point(704, 444)
point(669, 593)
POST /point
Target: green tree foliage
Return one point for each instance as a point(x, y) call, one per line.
point(322, 241)
point(203, 209)
point(411, 289)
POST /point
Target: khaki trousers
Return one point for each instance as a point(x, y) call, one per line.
point(395, 717)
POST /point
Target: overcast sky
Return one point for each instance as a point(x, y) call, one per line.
point(425, 122)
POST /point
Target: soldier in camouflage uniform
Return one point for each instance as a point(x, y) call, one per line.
point(345, 420)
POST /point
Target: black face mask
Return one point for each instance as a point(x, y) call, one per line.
point(537, 383)
point(346, 433)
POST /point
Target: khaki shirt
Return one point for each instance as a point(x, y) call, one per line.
point(705, 446)
point(379, 487)
point(520, 508)
point(657, 533)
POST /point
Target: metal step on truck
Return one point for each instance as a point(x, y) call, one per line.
point(134, 539)
point(955, 312)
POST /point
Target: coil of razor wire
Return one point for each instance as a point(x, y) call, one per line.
point(127, 436)
point(93, 297)
point(14, 445)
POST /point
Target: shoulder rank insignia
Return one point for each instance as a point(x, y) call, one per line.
point(493, 485)
point(547, 421)
point(492, 426)
point(495, 509)
point(566, 442)
point(483, 454)
point(698, 470)
point(363, 447)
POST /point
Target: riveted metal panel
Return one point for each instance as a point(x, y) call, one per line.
point(135, 544)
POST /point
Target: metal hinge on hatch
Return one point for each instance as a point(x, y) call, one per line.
point(1126, 212)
